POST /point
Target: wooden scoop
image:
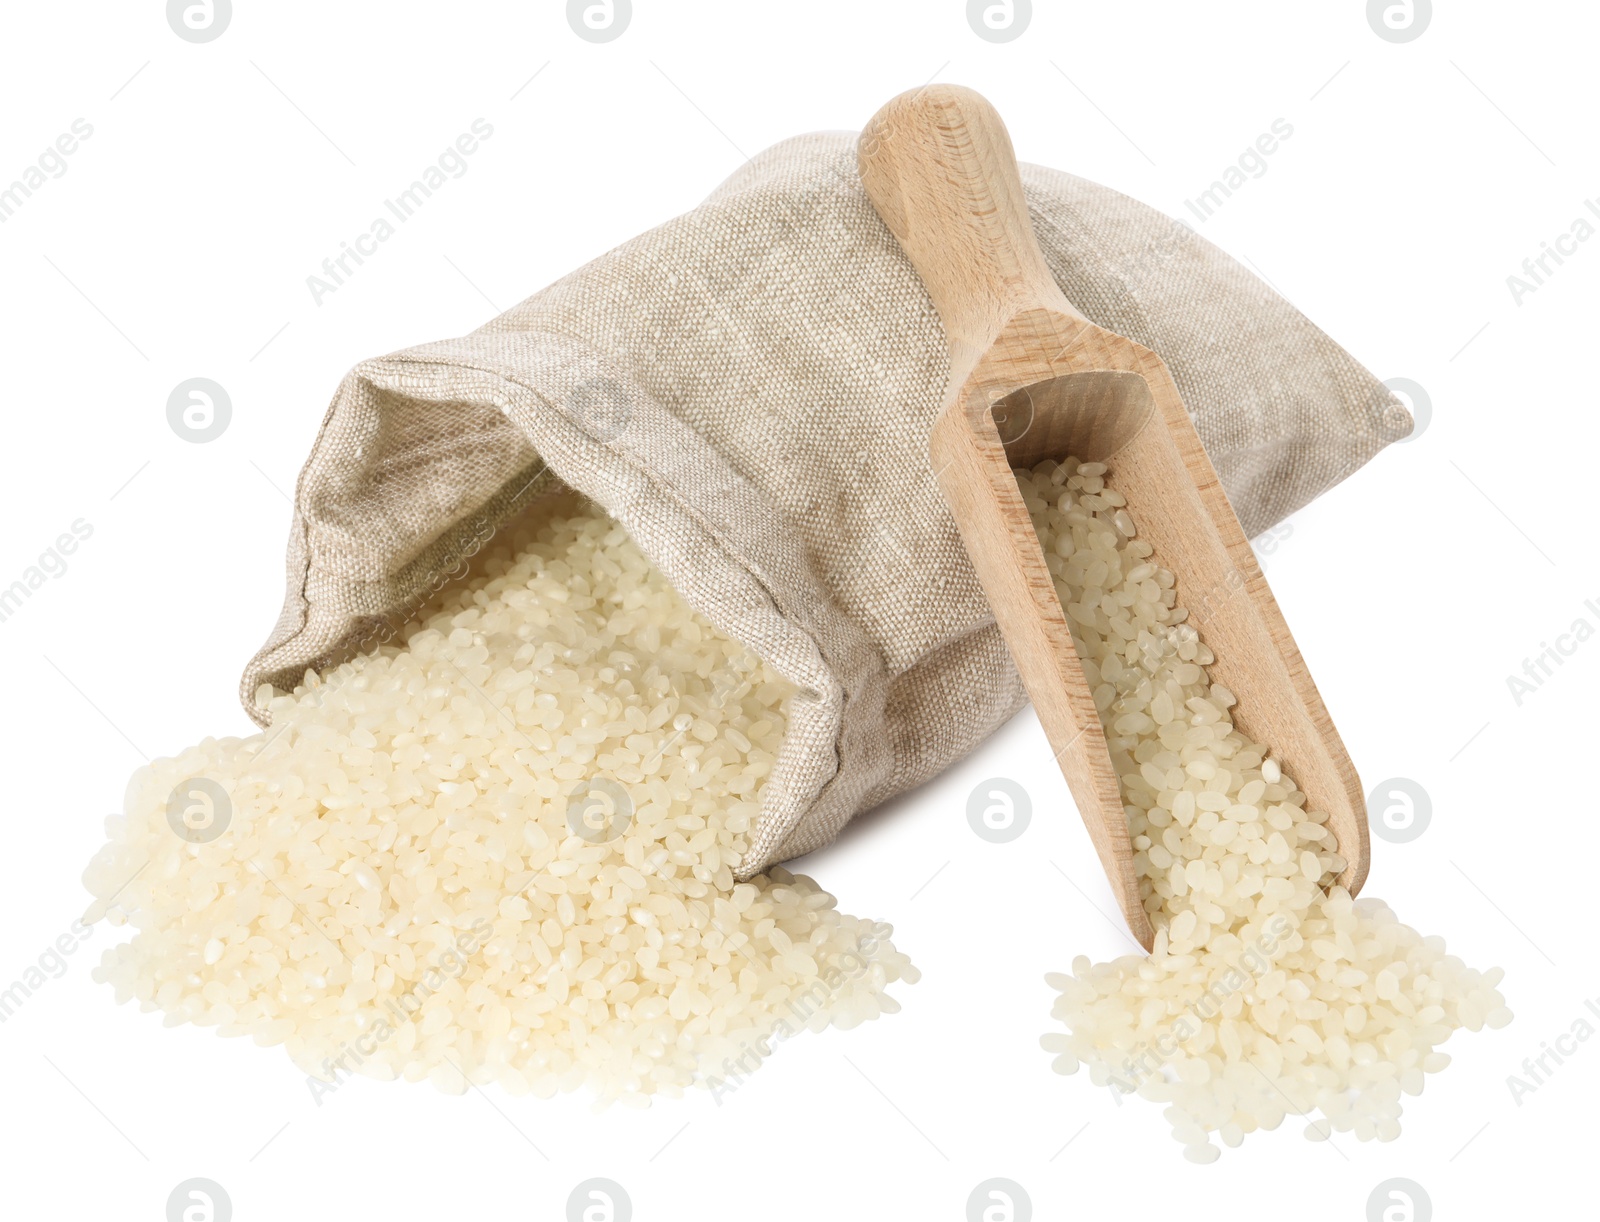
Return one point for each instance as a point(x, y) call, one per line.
point(1031, 378)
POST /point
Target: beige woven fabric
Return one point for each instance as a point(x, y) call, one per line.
point(748, 389)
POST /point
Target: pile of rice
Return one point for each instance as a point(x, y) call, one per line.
point(1269, 990)
point(503, 850)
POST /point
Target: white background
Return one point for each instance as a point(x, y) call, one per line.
point(219, 176)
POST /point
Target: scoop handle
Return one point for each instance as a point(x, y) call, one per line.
point(938, 166)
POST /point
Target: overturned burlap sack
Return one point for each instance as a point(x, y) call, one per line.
point(748, 389)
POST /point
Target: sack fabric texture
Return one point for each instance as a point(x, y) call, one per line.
point(748, 389)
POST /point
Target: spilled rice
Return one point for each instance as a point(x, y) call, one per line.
point(1269, 991)
point(501, 851)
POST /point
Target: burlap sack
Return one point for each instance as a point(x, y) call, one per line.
point(748, 389)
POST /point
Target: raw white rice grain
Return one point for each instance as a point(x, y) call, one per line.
point(500, 851)
point(1268, 987)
